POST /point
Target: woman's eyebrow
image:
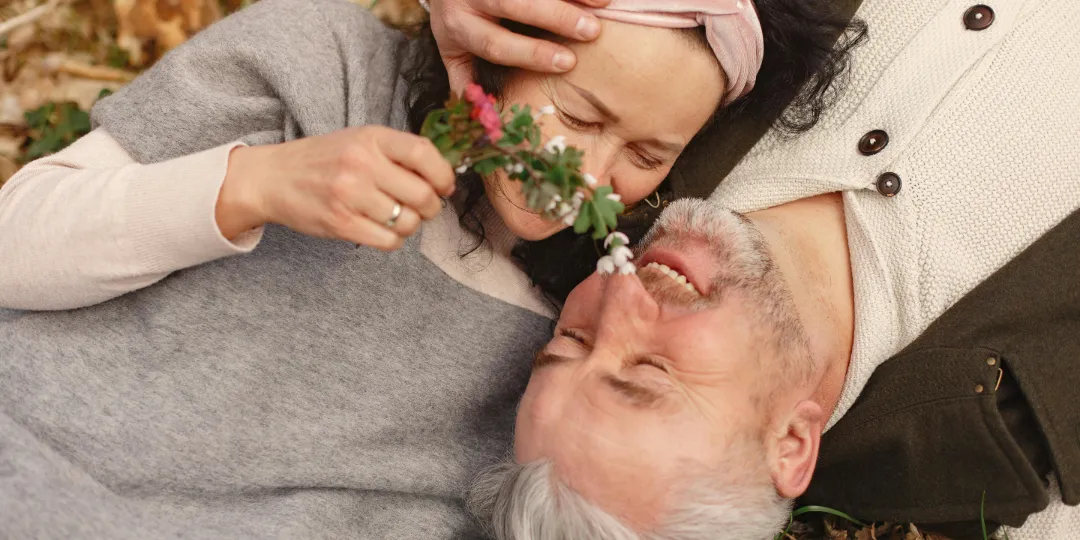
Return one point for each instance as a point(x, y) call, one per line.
point(595, 102)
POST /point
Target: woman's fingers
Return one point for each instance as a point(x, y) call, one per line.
point(412, 191)
point(419, 155)
point(363, 231)
point(408, 223)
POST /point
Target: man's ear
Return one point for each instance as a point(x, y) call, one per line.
point(794, 449)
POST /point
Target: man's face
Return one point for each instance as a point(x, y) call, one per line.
point(645, 377)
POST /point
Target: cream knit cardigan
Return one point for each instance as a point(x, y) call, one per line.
point(983, 130)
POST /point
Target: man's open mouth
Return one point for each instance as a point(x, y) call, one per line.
point(674, 275)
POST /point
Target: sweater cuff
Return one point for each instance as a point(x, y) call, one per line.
point(169, 212)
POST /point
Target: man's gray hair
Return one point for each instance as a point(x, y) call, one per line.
point(530, 502)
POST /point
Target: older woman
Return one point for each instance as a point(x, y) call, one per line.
point(236, 369)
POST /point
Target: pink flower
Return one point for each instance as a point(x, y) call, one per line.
point(489, 118)
point(475, 94)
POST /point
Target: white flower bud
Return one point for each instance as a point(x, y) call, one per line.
point(462, 169)
point(615, 197)
point(616, 236)
point(590, 180)
point(570, 218)
point(621, 255)
point(519, 168)
point(565, 209)
point(605, 266)
point(627, 269)
point(556, 144)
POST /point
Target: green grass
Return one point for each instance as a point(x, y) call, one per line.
point(834, 512)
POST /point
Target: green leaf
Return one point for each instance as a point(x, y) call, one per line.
point(825, 510)
point(600, 228)
point(982, 515)
point(584, 219)
point(444, 143)
point(611, 217)
point(117, 57)
point(104, 93)
point(534, 138)
point(75, 121)
point(486, 166)
point(38, 119)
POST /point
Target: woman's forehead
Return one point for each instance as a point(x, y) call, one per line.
point(658, 67)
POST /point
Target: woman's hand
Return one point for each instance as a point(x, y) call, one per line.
point(468, 28)
point(344, 185)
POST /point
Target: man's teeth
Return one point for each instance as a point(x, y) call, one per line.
point(679, 278)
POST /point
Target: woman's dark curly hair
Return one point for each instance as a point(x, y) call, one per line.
point(808, 45)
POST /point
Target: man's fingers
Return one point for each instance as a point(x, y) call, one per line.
point(501, 46)
point(558, 16)
point(460, 72)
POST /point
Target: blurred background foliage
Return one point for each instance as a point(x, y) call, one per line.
point(57, 57)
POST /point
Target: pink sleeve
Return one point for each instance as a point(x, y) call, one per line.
point(89, 224)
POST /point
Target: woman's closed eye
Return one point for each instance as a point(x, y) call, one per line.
point(638, 156)
point(578, 124)
point(643, 159)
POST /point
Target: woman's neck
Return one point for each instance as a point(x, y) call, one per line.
point(490, 268)
point(496, 235)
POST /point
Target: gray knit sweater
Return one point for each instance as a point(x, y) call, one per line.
point(307, 390)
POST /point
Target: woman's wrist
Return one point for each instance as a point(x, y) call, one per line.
point(238, 209)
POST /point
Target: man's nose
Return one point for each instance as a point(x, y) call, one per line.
point(627, 310)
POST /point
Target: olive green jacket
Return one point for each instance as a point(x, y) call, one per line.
point(983, 401)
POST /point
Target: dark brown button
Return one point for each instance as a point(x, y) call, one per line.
point(873, 142)
point(979, 17)
point(888, 184)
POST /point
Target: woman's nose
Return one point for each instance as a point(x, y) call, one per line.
point(599, 161)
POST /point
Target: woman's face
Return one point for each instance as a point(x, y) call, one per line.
point(636, 98)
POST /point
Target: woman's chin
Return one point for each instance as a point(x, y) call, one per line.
point(520, 221)
point(529, 226)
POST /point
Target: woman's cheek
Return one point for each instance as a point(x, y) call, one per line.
point(637, 184)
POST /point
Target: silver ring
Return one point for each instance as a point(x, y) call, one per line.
point(394, 215)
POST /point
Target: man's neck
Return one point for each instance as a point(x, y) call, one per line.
point(808, 241)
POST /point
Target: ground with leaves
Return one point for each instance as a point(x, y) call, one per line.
point(57, 57)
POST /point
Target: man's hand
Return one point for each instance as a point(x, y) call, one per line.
point(465, 29)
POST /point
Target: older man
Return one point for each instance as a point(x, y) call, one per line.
point(664, 414)
point(696, 411)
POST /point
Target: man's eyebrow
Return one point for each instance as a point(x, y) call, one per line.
point(640, 395)
point(595, 102)
point(545, 359)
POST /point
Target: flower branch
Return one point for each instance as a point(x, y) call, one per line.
point(473, 135)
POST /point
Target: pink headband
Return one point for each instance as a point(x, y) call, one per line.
point(732, 27)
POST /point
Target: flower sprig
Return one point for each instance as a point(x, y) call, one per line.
point(471, 133)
